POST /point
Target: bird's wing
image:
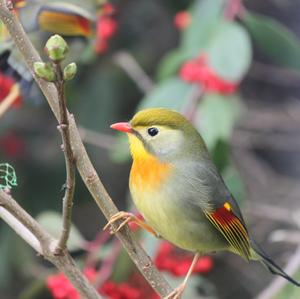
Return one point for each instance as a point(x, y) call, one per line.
point(220, 207)
point(232, 228)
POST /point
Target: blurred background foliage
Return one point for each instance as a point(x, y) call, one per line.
point(231, 67)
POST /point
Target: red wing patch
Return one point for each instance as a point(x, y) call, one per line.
point(231, 228)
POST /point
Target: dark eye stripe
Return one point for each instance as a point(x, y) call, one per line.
point(152, 131)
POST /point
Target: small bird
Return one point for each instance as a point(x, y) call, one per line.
point(179, 192)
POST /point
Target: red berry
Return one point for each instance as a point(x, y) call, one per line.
point(198, 71)
point(182, 20)
point(106, 27)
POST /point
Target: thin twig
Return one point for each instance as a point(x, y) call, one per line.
point(21, 230)
point(192, 101)
point(69, 160)
point(32, 232)
point(265, 140)
point(84, 165)
point(127, 62)
point(274, 75)
point(9, 99)
point(283, 235)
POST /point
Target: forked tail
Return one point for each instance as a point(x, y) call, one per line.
point(260, 255)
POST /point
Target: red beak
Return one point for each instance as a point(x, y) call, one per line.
point(123, 127)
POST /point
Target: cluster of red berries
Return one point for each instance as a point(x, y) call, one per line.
point(6, 83)
point(177, 262)
point(168, 258)
point(136, 288)
point(199, 71)
point(106, 28)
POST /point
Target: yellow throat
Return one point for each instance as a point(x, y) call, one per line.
point(147, 172)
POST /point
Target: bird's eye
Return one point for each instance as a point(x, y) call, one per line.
point(152, 131)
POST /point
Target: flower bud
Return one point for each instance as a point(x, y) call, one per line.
point(70, 71)
point(44, 71)
point(56, 48)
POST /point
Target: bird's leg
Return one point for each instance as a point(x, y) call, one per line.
point(129, 217)
point(176, 294)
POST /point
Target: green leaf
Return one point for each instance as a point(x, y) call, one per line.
point(220, 154)
point(230, 51)
point(274, 39)
point(52, 222)
point(205, 15)
point(216, 117)
point(228, 46)
point(171, 63)
point(170, 94)
point(234, 183)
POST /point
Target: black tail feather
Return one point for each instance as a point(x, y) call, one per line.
point(271, 265)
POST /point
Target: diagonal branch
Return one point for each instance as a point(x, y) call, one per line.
point(31, 231)
point(84, 165)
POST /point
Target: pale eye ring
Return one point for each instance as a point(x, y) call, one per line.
point(152, 131)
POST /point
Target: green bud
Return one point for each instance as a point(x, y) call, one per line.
point(44, 71)
point(56, 48)
point(70, 71)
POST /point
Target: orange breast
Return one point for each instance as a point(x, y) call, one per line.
point(148, 173)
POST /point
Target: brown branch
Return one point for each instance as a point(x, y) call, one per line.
point(274, 75)
point(134, 71)
point(32, 232)
point(84, 165)
point(192, 101)
point(69, 160)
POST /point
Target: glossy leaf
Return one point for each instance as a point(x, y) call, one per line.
point(274, 39)
point(205, 15)
point(234, 183)
point(52, 222)
point(216, 117)
point(171, 63)
point(171, 93)
point(230, 51)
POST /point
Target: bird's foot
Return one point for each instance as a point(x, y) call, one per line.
point(129, 217)
point(177, 293)
point(125, 216)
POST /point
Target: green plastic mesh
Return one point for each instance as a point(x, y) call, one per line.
point(8, 177)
